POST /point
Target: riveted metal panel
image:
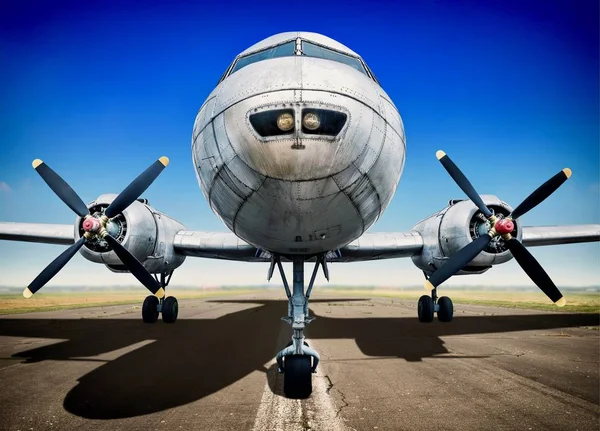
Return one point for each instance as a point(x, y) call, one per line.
point(392, 116)
point(388, 167)
point(206, 157)
point(257, 79)
point(330, 76)
point(242, 172)
point(316, 189)
point(347, 177)
point(204, 115)
point(276, 217)
point(373, 146)
point(222, 139)
point(226, 200)
point(232, 182)
point(365, 198)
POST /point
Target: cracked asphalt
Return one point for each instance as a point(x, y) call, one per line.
point(491, 368)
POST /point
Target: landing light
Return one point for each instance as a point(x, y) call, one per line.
point(285, 122)
point(311, 121)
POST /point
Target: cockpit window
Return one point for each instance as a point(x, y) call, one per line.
point(285, 50)
point(312, 50)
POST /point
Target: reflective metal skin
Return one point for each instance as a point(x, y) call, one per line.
point(148, 236)
point(451, 229)
point(298, 193)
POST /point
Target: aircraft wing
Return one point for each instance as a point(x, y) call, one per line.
point(38, 232)
point(370, 246)
point(373, 246)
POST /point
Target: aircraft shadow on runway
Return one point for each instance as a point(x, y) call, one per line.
point(194, 358)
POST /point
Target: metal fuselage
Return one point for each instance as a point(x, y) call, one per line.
point(300, 193)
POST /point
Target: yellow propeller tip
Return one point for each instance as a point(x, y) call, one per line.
point(27, 293)
point(439, 154)
point(160, 293)
point(36, 163)
point(568, 172)
point(428, 285)
point(561, 302)
point(164, 160)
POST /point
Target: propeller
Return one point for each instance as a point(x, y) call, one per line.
point(95, 227)
point(500, 227)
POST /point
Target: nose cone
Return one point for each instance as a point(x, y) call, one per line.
point(297, 84)
point(294, 156)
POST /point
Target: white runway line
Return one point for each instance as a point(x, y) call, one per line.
point(278, 413)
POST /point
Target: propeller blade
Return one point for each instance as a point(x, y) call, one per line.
point(136, 188)
point(136, 268)
point(535, 271)
point(457, 262)
point(61, 188)
point(541, 193)
point(462, 182)
point(52, 269)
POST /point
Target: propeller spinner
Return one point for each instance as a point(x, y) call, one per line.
point(500, 227)
point(95, 227)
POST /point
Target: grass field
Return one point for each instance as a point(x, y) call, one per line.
point(576, 302)
point(16, 303)
point(580, 302)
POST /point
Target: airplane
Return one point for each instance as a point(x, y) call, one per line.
point(298, 150)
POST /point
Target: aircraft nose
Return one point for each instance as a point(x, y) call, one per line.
point(299, 118)
point(293, 141)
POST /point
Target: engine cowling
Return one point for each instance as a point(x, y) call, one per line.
point(449, 230)
point(145, 232)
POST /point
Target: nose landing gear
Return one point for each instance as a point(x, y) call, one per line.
point(298, 361)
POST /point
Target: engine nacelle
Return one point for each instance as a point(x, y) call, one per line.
point(145, 232)
point(449, 230)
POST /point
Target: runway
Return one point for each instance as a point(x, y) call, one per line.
point(491, 368)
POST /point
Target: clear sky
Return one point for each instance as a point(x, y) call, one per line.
point(99, 90)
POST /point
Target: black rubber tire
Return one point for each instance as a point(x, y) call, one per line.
point(425, 309)
point(150, 309)
point(445, 310)
point(297, 376)
point(170, 309)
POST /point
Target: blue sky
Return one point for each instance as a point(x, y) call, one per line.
point(99, 91)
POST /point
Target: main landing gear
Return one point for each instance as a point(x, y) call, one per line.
point(298, 361)
point(428, 305)
point(167, 305)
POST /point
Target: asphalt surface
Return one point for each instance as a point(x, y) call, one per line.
point(491, 368)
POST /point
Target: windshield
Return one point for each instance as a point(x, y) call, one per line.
point(312, 50)
point(285, 50)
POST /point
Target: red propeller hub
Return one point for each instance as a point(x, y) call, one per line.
point(91, 224)
point(504, 226)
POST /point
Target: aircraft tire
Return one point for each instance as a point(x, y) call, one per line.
point(425, 309)
point(170, 309)
point(297, 376)
point(150, 309)
point(445, 310)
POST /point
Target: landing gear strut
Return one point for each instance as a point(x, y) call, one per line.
point(166, 305)
point(428, 305)
point(298, 361)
